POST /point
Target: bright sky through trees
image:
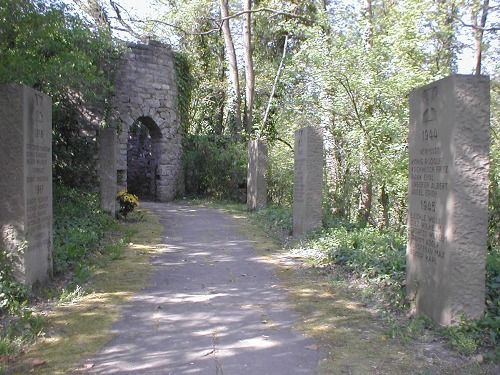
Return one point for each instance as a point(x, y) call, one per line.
point(154, 9)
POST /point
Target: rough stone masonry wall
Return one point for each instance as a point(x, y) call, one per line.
point(146, 91)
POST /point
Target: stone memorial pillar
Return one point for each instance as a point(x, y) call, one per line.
point(448, 197)
point(26, 183)
point(257, 175)
point(307, 181)
point(107, 169)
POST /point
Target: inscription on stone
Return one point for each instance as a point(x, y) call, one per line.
point(26, 164)
point(448, 195)
point(307, 181)
point(430, 178)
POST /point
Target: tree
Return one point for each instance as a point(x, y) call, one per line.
point(249, 71)
point(233, 65)
point(49, 48)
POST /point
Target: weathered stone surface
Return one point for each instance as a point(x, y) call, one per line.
point(26, 183)
point(257, 175)
point(448, 197)
point(307, 180)
point(148, 78)
point(107, 170)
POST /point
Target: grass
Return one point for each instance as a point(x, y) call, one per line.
point(81, 323)
point(354, 334)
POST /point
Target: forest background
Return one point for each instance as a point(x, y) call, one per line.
point(262, 69)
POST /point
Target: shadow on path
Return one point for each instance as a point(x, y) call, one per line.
point(213, 307)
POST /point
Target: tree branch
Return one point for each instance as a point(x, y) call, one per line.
point(269, 10)
point(285, 142)
point(218, 22)
point(275, 83)
point(477, 27)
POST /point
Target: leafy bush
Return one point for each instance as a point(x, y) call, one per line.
point(79, 226)
point(277, 218)
point(280, 175)
point(373, 254)
point(215, 166)
point(13, 294)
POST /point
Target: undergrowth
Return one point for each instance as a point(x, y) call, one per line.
point(378, 258)
point(84, 239)
point(79, 226)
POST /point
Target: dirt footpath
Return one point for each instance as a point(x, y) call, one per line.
point(214, 306)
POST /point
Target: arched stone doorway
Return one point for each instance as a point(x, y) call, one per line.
point(145, 102)
point(142, 155)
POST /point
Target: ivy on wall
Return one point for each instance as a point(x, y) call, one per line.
point(185, 83)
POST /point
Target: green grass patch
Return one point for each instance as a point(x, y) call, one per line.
point(80, 323)
point(374, 261)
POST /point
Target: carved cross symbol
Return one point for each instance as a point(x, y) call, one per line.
point(429, 97)
point(39, 113)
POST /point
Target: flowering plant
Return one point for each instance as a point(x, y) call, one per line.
point(127, 202)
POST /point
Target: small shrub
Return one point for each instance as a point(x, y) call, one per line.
point(127, 202)
point(375, 255)
point(278, 218)
point(462, 342)
point(79, 226)
point(12, 293)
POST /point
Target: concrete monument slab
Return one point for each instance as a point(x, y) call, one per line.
point(107, 169)
point(448, 197)
point(26, 183)
point(307, 180)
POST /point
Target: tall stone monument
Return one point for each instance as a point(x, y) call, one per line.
point(107, 169)
point(26, 183)
point(307, 180)
point(257, 175)
point(448, 197)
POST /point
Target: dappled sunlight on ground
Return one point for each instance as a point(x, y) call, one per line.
point(212, 305)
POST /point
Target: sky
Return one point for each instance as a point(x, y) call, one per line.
point(144, 9)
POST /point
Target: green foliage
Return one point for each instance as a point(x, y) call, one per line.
point(462, 343)
point(375, 255)
point(16, 333)
point(13, 294)
point(127, 202)
point(73, 156)
point(414, 329)
point(215, 166)
point(79, 226)
point(276, 218)
point(18, 324)
point(280, 174)
point(186, 84)
point(45, 46)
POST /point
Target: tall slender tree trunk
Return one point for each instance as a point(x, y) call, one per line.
point(249, 71)
point(478, 34)
point(365, 168)
point(233, 66)
point(445, 59)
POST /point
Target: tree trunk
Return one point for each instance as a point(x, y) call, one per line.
point(249, 71)
point(233, 66)
point(384, 200)
point(276, 79)
point(366, 199)
point(478, 34)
